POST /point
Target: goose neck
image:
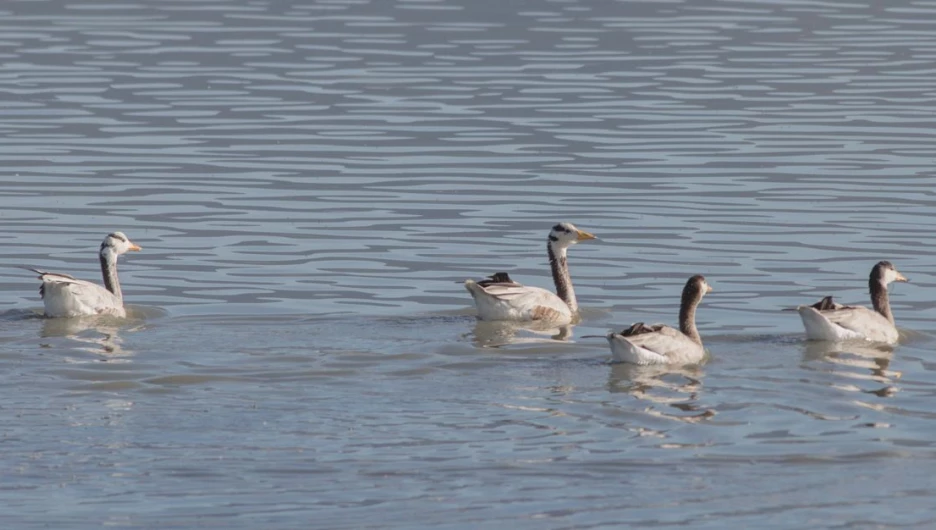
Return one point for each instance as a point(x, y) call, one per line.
point(880, 300)
point(558, 263)
point(687, 311)
point(109, 272)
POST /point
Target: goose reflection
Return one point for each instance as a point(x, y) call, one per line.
point(677, 388)
point(494, 334)
point(97, 335)
point(858, 360)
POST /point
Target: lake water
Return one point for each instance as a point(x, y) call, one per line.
point(311, 181)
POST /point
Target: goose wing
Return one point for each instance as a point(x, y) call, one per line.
point(499, 278)
point(513, 292)
point(53, 276)
point(512, 301)
point(663, 340)
point(539, 303)
point(60, 279)
point(827, 304)
point(65, 295)
point(859, 319)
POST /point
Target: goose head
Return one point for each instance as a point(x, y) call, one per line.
point(885, 272)
point(565, 234)
point(117, 243)
point(694, 290)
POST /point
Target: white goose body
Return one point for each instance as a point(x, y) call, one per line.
point(826, 320)
point(515, 302)
point(662, 344)
point(500, 298)
point(67, 296)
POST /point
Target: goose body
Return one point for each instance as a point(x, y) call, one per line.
point(500, 298)
point(518, 302)
point(827, 320)
point(661, 344)
point(66, 296)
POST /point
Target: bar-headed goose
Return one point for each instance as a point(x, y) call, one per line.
point(500, 298)
point(659, 343)
point(827, 320)
point(67, 296)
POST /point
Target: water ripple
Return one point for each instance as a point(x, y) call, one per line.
point(311, 182)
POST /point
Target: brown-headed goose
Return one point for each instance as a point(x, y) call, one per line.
point(659, 343)
point(827, 320)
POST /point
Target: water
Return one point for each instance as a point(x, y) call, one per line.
point(309, 182)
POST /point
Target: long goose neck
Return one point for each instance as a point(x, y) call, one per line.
point(880, 299)
point(560, 273)
point(687, 308)
point(109, 271)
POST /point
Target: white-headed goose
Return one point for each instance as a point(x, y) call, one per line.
point(66, 296)
point(500, 298)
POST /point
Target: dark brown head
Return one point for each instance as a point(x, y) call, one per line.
point(694, 290)
point(692, 294)
point(885, 273)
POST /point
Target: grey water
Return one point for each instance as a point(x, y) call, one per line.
point(311, 181)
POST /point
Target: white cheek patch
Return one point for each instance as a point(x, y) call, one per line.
point(890, 275)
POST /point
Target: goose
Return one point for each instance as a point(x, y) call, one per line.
point(827, 320)
point(67, 296)
point(660, 344)
point(500, 298)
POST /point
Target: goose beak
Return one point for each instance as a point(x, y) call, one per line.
point(901, 278)
point(708, 289)
point(583, 236)
point(135, 247)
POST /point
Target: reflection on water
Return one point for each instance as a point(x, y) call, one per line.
point(676, 388)
point(99, 335)
point(856, 360)
point(494, 334)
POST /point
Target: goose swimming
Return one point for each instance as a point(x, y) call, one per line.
point(500, 298)
point(67, 296)
point(659, 343)
point(827, 320)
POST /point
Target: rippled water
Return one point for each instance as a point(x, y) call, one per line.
point(310, 181)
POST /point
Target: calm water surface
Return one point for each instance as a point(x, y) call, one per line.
point(310, 180)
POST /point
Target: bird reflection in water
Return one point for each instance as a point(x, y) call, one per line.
point(97, 335)
point(857, 360)
point(674, 387)
point(501, 333)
